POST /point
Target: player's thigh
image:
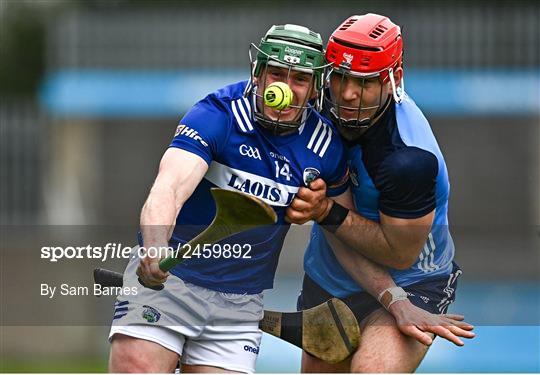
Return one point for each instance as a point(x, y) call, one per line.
point(134, 355)
point(231, 339)
point(311, 364)
point(197, 369)
point(383, 348)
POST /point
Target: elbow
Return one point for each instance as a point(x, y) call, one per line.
point(403, 264)
point(404, 261)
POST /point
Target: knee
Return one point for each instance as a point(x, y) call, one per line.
point(127, 357)
point(312, 364)
point(381, 367)
point(384, 363)
point(373, 367)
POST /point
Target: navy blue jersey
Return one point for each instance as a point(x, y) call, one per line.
point(243, 156)
point(398, 169)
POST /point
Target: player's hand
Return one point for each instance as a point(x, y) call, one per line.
point(309, 204)
point(416, 323)
point(149, 272)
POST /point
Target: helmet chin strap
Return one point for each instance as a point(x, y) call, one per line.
point(397, 92)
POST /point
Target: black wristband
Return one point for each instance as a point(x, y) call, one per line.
point(335, 218)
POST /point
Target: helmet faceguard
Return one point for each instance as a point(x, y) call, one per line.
point(291, 49)
point(363, 49)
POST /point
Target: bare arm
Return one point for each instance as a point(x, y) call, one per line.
point(393, 242)
point(374, 278)
point(179, 174)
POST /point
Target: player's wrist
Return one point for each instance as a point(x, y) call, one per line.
point(327, 206)
point(398, 308)
point(390, 296)
point(335, 216)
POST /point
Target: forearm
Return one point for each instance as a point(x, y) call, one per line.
point(179, 174)
point(373, 277)
point(367, 238)
point(158, 216)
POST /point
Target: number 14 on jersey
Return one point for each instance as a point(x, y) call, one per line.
point(283, 170)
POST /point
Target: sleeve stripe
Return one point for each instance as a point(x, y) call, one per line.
point(432, 254)
point(314, 135)
point(248, 111)
point(327, 143)
point(427, 256)
point(320, 139)
point(244, 114)
point(238, 119)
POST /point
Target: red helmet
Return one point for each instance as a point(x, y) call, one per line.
point(366, 45)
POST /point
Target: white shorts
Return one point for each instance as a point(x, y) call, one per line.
point(203, 326)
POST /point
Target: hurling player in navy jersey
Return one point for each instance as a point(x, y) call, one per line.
point(396, 215)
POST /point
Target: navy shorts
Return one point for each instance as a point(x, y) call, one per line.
point(433, 295)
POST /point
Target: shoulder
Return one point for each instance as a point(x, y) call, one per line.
point(222, 98)
point(406, 180)
point(323, 138)
point(217, 109)
point(230, 92)
point(408, 167)
point(414, 128)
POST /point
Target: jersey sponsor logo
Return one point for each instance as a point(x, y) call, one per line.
point(251, 349)
point(264, 188)
point(278, 156)
point(150, 314)
point(320, 139)
point(251, 152)
point(190, 133)
point(310, 174)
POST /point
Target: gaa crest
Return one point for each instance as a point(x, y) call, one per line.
point(310, 174)
point(150, 314)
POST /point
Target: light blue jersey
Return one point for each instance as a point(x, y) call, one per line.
point(243, 156)
point(396, 168)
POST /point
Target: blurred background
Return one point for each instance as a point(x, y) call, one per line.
point(91, 93)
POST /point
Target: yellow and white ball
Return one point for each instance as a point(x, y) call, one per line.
point(278, 95)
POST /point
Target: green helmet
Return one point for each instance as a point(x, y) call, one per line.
point(295, 48)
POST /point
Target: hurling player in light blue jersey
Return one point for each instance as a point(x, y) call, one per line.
point(396, 215)
point(208, 313)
